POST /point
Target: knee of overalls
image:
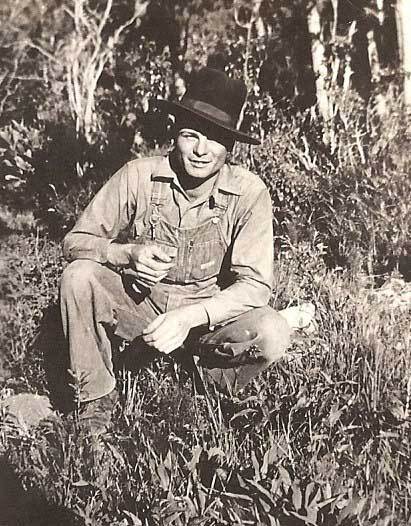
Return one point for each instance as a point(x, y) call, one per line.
point(78, 275)
point(273, 333)
point(261, 327)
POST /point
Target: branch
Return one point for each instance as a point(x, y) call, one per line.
point(105, 16)
point(139, 11)
point(12, 74)
point(42, 51)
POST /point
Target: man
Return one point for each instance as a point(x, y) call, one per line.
point(194, 274)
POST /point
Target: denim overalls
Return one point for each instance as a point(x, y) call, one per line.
point(232, 353)
point(96, 303)
point(200, 250)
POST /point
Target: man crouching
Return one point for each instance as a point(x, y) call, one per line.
point(195, 276)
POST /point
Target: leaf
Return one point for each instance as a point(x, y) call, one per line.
point(116, 454)
point(21, 163)
point(168, 461)
point(81, 484)
point(270, 456)
point(308, 492)
point(285, 477)
point(335, 415)
point(350, 510)
point(216, 452)
point(256, 466)
point(244, 412)
point(314, 500)
point(163, 475)
point(134, 518)
point(171, 518)
point(296, 496)
point(4, 143)
point(195, 458)
point(306, 520)
point(263, 491)
point(325, 502)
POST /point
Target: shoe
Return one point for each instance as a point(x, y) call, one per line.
point(96, 415)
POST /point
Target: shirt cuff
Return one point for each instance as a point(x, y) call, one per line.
point(96, 251)
point(217, 311)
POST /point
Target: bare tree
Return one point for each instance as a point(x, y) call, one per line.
point(404, 32)
point(319, 59)
point(90, 48)
point(248, 18)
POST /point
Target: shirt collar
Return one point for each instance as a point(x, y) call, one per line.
point(226, 181)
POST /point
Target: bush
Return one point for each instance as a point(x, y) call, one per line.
point(351, 195)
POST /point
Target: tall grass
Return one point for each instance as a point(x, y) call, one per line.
point(322, 438)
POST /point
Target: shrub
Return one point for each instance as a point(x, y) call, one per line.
point(352, 195)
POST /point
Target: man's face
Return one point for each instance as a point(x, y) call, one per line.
point(200, 153)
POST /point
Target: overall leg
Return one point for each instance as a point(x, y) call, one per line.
point(237, 352)
point(95, 304)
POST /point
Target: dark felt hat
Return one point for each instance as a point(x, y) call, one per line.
point(215, 97)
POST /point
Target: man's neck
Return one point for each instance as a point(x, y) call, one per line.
point(193, 186)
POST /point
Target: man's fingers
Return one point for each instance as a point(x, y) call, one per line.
point(153, 265)
point(149, 330)
point(169, 348)
point(145, 270)
point(143, 267)
point(158, 334)
point(166, 346)
point(144, 282)
point(161, 255)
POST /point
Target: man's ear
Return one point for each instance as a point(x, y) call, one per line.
point(171, 127)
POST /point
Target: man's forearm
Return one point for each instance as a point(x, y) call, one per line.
point(85, 246)
point(237, 299)
point(196, 314)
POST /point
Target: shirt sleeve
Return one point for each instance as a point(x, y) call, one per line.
point(251, 262)
point(110, 212)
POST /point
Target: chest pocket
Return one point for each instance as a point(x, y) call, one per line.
point(203, 250)
point(200, 250)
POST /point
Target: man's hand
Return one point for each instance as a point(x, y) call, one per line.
point(169, 331)
point(148, 263)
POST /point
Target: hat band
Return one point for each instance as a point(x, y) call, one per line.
point(209, 110)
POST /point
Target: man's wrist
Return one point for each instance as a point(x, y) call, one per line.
point(195, 314)
point(117, 255)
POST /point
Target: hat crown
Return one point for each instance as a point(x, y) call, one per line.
point(214, 98)
point(220, 95)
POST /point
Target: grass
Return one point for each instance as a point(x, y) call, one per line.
point(321, 438)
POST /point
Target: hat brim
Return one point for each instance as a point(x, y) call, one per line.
point(177, 108)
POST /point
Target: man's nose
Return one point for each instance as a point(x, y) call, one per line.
point(201, 145)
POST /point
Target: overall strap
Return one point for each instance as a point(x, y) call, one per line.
point(219, 202)
point(157, 199)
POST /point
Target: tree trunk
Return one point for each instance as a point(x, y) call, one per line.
point(319, 62)
point(404, 15)
point(373, 57)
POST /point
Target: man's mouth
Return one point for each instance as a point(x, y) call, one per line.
point(197, 163)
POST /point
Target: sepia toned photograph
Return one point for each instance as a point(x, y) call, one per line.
point(205, 262)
